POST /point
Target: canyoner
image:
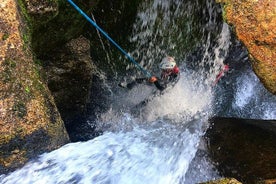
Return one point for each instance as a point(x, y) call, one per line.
point(170, 75)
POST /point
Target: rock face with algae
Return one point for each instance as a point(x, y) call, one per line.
point(223, 181)
point(29, 121)
point(69, 75)
point(254, 22)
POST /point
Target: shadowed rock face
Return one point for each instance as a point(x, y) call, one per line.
point(29, 121)
point(243, 149)
point(255, 24)
point(69, 75)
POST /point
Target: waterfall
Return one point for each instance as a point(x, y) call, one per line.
point(158, 142)
point(144, 155)
point(252, 101)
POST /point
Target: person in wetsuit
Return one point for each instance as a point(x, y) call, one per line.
point(169, 75)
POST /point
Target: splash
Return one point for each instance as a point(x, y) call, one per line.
point(152, 154)
point(214, 56)
point(252, 100)
point(182, 103)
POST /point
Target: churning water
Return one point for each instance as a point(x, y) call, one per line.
point(157, 142)
point(155, 148)
point(159, 153)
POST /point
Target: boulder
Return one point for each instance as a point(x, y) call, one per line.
point(223, 181)
point(243, 149)
point(254, 23)
point(29, 121)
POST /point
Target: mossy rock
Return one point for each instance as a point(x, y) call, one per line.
point(254, 23)
point(30, 122)
point(223, 181)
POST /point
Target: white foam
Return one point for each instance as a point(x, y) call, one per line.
point(245, 91)
point(159, 155)
point(180, 102)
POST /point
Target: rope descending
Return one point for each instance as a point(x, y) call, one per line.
point(110, 39)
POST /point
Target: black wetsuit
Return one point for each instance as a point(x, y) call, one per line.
point(162, 84)
point(167, 79)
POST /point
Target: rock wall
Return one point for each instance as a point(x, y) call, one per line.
point(69, 76)
point(223, 181)
point(29, 121)
point(254, 22)
point(243, 149)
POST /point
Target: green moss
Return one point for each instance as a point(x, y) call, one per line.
point(37, 84)
point(24, 12)
point(36, 23)
point(26, 38)
point(27, 24)
point(224, 13)
point(20, 109)
point(9, 63)
point(5, 36)
point(30, 38)
point(67, 24)
point(48, 31)
point(27, 90)
point(38, 62)
point(223, 181)
point(224, 6)
point(7, 74)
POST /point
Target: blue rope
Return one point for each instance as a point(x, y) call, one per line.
point(109, 38)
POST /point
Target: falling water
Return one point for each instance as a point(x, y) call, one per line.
point(247, 98)
point(152, 154)
point(156, 142)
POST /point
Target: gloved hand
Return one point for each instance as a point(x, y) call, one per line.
point(153, 79)
point(140, 80)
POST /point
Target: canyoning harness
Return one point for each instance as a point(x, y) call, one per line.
point(148, 74)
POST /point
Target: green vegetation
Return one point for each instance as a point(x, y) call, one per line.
point(20, 109)
point(6, 75)
point(5, 36)
point(24, 12)
point(27, 89)
point(224, 13)
point(9, 65)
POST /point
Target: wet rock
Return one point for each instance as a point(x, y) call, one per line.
point(243, 149)
point(69, 76)
point(41, 7)
point(223, 181)
point(38, 10)
point(255, 23)
point(29, 121)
